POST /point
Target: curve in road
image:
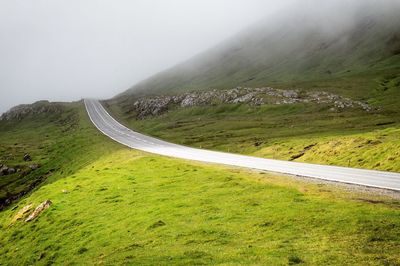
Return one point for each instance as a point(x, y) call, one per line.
point(116, 131)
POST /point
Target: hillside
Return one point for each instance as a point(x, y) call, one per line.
point(294, 48)
point(264, 92)
point(111, 205)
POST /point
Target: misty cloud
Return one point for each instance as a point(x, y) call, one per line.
point(66, 50)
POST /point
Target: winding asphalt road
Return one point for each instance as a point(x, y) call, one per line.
point(111, 128)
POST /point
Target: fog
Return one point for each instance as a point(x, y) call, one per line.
point(64, 50)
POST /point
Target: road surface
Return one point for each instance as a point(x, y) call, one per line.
point(113, 129)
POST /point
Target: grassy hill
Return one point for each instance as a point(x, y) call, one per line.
point(112, 205)
point(290, 51)
point(116, 206)
point(353, 56)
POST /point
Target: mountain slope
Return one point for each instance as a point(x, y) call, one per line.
point(292, 49)
point(351, 53)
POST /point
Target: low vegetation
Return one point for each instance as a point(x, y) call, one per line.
point(113, 205)
point(306, 132)
point(54, 142)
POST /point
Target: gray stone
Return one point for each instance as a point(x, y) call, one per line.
point(34, 166)
point(4, 170)
point(153, 106)
point(27, 157)
point(11, 171)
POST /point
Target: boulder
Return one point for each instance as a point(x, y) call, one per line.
point(4, 170)
point(39, 209)
point(27, 157)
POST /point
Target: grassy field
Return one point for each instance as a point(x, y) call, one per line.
point(112, 205)
point(54, 141)
point(301, 132)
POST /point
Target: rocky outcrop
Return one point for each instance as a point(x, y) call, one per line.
point(22, 171)
point(25, 211)
point(5, 201)
point(22, 213)
point(21, 111)
point(6, 170)
point(152, 106)
point(42, 206)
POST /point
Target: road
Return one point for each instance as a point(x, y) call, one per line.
point(116, 131)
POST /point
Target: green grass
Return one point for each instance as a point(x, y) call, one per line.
point(367, 69)
point(379, 149)
point(129, 207)
point(135, 208)
point(349, 138)
point(55, 141)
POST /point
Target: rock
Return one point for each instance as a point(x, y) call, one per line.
point(23, 212)
point(21, 111)
point(27, 157)
point(257, 143)
point(34, 166)
point(153, 106)
point(65, 191)
point(4, 170)
point(42, 206)
point(11, 171)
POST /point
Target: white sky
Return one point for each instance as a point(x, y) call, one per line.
point(70, 49)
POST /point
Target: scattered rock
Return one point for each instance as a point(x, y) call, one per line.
point(23, 212)
point(21, 111)
point(4, 170)
point(34, 166)
point(11, 171)
point(153, 106)
point(27, 157)
point(42, 206)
